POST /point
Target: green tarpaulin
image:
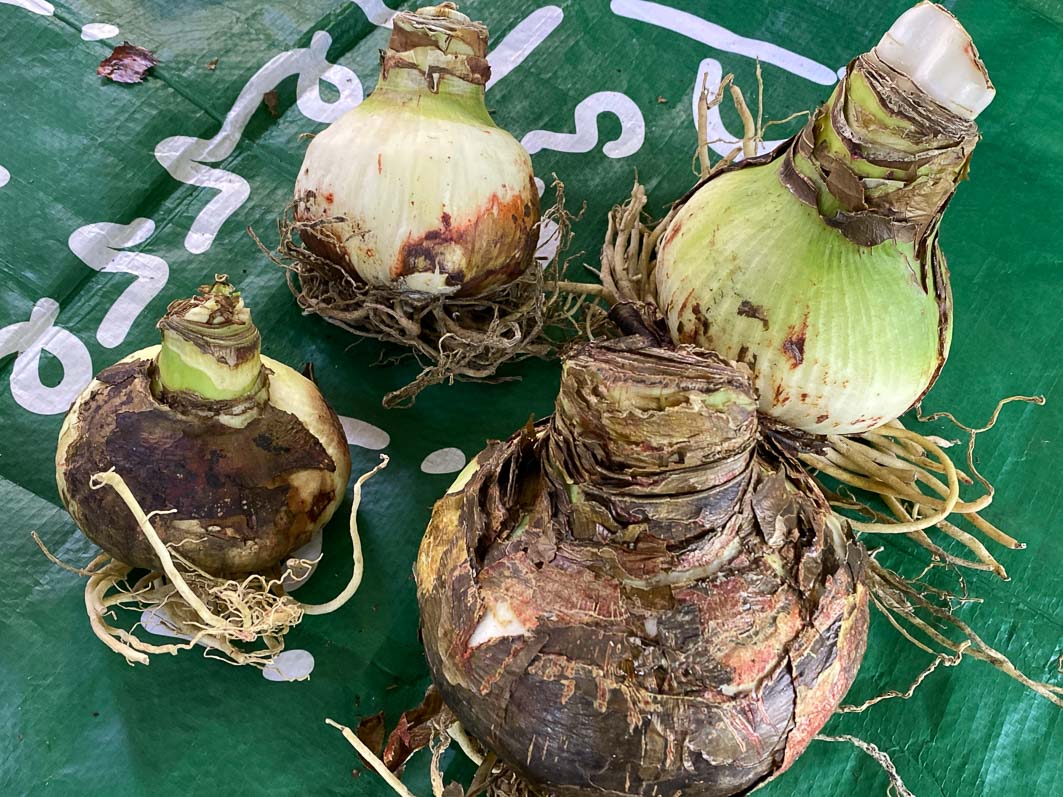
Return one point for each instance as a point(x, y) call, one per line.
point(114, 200)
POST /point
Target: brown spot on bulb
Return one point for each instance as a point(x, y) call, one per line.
point(750, 310)
point(794, 344)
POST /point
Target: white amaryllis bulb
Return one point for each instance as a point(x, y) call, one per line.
point(819, 266)
point(425, 193)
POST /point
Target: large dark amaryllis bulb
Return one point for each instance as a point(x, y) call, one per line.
point(636, 597)
point(819, 265)
point(240, 453)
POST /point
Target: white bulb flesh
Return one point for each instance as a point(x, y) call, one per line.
point(498, 622)
point(931, 47)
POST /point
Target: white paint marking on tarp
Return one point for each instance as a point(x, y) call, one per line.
point(96, 31)
point(632, 128)
point(363, 434)
point(444, 460)
point(720, 38)
point(98, 246)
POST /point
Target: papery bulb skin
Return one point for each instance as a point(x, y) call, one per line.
point(634, 597)
point(819, 265)
point(240, 453)
point(425, 193)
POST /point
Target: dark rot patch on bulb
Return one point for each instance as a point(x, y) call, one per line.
point(701, 319)
point(488, 250)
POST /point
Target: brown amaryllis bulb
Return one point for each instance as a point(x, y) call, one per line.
point(636, 596)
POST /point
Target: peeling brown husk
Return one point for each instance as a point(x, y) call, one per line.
point(433, 37)
point(451, 337)
point(926, 153)
point(665, 587)
point(127, 63)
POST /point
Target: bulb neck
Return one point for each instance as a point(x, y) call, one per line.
point(649, 439)
point(453, 98)
point(436, 56)
point(881, 159)
point(211, 350)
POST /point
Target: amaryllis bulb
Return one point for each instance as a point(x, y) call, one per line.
point(819, 266)
point(636, 597)
point(239, 453)
point(417, 187)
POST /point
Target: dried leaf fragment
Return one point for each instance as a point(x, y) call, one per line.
point(413, 732)
point(270, 99)
point(127, 63)
point(371, 731)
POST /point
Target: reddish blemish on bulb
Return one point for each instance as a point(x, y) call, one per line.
point(380, 163)
point(329, 198)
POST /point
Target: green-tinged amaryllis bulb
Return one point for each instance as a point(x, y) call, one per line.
point(240, 454)
point(819, 264)
point(424, 191)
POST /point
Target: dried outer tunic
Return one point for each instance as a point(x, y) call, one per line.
point(881, 159)
point(636, 596)
point(250, 481)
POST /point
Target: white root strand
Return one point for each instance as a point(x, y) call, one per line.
point(117, 483)
point(358, 566)
point(467, 745)
point(905, 436)
point(371, 758)
point(881, 756)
